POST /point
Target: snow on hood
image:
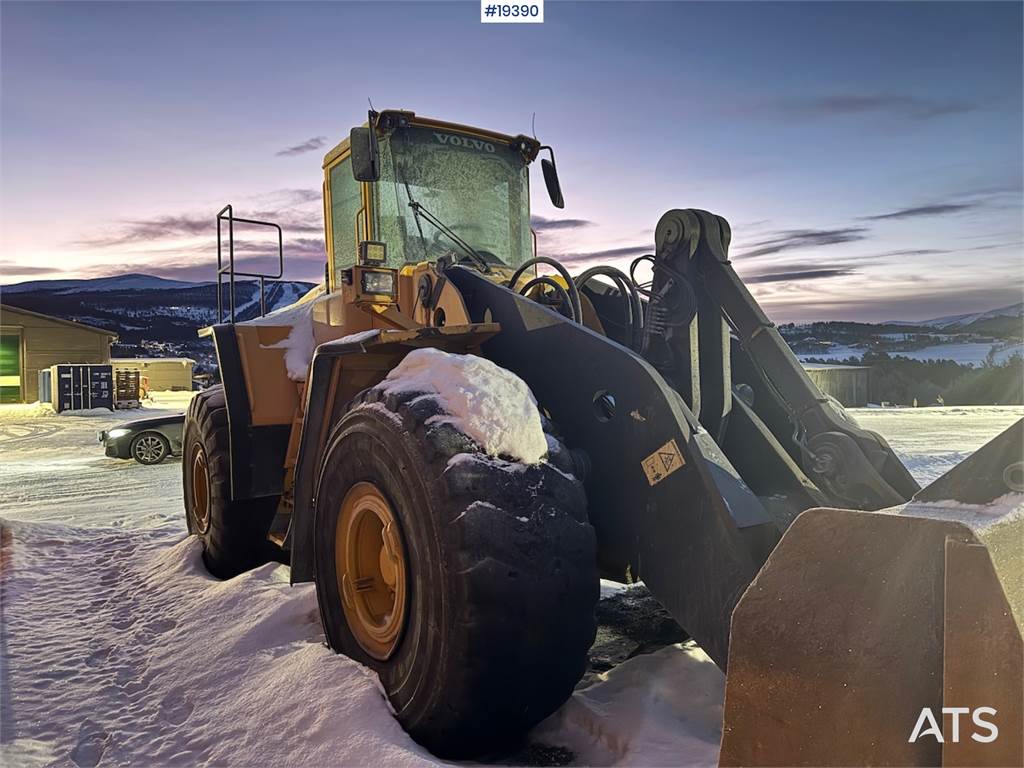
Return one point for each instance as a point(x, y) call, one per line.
point(492, 406)
point(300, 343)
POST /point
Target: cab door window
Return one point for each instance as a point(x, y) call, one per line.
point(346, 208)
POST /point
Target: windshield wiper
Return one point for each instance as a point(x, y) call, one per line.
point(418, 210)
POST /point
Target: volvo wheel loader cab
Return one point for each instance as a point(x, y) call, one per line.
point(685, 447)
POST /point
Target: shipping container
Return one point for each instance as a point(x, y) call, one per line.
point(79, 387)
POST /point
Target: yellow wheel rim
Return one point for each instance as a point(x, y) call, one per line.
point(200, 492)
point(369, 560)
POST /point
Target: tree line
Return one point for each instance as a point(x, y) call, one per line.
point(902, 381)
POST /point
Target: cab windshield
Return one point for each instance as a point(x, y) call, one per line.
point(477, 188)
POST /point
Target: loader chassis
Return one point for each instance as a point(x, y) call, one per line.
point(708, 456)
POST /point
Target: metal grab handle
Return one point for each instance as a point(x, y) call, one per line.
point(227, 212)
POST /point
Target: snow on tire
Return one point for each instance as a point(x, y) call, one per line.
point(234, 533)
point(500, 570)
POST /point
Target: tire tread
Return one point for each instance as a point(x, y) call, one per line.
point(519, 547)
point(235, 541)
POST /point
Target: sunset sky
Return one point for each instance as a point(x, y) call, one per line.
point(868, 156)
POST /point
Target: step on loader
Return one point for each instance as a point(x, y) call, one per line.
point(687, 448)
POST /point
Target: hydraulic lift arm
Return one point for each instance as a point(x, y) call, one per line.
point(693, 275)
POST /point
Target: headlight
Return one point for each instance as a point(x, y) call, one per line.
point(381, 283)
point(116, 433)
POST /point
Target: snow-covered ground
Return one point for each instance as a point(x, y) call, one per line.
point(52, 469)
point(965, 353)
point(116, 648)
point(931, 441)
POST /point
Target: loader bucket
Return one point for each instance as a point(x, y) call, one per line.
point(859, 621)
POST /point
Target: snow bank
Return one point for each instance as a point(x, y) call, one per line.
point(161, 399)
point(20, 411)
point(86, 412)
point(492, 406)
point(676, 721)
point(157, 663)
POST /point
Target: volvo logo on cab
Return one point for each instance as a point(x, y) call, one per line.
point(454, 140)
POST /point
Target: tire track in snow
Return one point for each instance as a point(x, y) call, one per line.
point(18, 435)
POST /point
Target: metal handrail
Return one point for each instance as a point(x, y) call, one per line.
point(229, 268)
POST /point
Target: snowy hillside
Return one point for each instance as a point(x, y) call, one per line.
point(105, 300)
point(151, 316)
point(1014, 310)
point(991, 337)
point(132, 282)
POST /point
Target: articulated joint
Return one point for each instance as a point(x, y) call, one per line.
point(677, 235)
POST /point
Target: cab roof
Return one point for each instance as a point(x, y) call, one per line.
point(428, 122)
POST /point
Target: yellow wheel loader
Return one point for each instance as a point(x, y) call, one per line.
point(685, 448)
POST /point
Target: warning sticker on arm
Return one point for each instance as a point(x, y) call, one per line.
point(663, 462)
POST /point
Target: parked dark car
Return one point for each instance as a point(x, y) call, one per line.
point(148, 441)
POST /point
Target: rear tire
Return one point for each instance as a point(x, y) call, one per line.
point(499, 569)
point(233, 533)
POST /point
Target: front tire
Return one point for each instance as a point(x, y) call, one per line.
point(233, 532)
point(150, 448)
point(496, 584)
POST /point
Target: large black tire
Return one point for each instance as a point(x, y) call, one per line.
point(501, 573)
point(234, 533)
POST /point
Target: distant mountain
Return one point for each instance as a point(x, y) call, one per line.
point(152, 316)
point(979, 338)
point(957, 321)
point(132, 282)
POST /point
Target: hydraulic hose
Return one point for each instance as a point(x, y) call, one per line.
point(552, 283)
point(630, 295)
point(574, 294)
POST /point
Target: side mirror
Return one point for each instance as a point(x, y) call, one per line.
point(551, 179)
point(363, 143)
